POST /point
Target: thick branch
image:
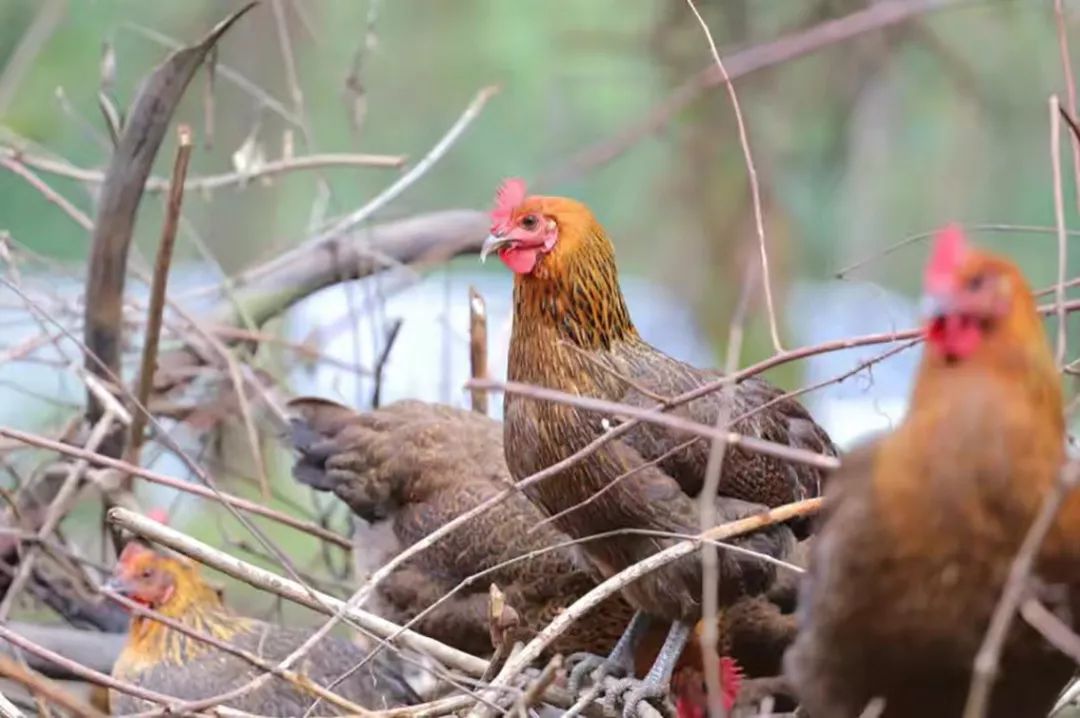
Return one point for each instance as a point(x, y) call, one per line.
point(266, 291)
point(92, 649)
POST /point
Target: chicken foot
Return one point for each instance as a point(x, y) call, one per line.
point(619, 663)
point(657, 682)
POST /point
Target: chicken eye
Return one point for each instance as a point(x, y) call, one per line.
point(529, 222)
point(976, 283)
point(147, 573)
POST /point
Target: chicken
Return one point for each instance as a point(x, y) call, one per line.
point(922, 525)
point(410, 466)
point(164, 660)
point(572, 332)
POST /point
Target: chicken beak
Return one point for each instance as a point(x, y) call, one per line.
point(118, 585)
point(935, 304)
point(493, 244)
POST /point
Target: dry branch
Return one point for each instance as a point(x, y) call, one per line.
point(125, 179)
point(157, 185)
point(266, 291)
point(158, 287)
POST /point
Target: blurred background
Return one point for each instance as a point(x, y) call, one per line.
point(858, 145)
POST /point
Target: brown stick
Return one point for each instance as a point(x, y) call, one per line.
point(157, 296)
point(478, 357)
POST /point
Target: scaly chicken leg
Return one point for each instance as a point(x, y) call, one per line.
point(620, 662)
point(655, 683)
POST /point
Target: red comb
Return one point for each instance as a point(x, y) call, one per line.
point(510, 194)
point(132, 550)
point(950, 249)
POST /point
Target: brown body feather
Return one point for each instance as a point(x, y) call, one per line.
point(167, 661)
point(416, 466)
point(921, 530)
point(572, 332)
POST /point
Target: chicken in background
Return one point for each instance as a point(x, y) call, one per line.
point(409, 467)
point(167, 661)
point(572, 332)
point(921, 526)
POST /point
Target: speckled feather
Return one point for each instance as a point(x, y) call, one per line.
point(922, 526)
point(419, 465)
point(572, 332)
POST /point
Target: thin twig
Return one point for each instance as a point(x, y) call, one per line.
point(157, 292)
point(710, 589)
point(1058, 633)
point(351, 220)
point(48, 192)
point(157, 185)
point(478, 349)
point(1059, 218)
point(989, 656)
point(977, 227)
point(878, 16)
point(654, 416)
point(380, 363)
point(751, 170)
point(1070, 88)
point(178, 484)
point(57, 510)
point(615, 583)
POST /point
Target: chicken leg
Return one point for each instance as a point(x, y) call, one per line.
point(620, 662)
point(658, 680)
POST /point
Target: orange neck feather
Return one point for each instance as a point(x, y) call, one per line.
point(192, 603)
point(574, 291)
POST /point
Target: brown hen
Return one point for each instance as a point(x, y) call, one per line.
point(572, 332)
point(410, 467)
point(167, 661)
point(922, 525)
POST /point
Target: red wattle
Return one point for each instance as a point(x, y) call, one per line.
point(955, 336)
point(521, 260)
